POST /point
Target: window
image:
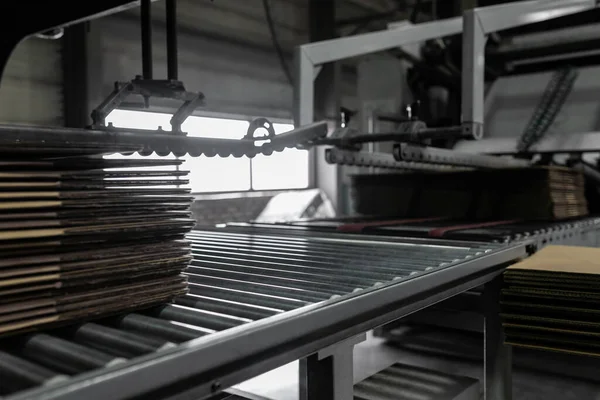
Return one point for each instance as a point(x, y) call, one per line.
point(285, 170)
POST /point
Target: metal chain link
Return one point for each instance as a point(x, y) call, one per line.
point(550, 104)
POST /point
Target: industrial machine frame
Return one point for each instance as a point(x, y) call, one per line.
point(475, 23)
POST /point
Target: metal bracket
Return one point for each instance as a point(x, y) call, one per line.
point(259, 123)
point(147, 88)
point(302, 138)
point(329, 374)
point(186, 109)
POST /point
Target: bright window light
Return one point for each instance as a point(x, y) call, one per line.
point(139, 119)
point(218, 174)
point(284, 170)
point(220, 128)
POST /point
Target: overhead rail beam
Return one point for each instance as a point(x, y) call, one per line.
point(310, 57)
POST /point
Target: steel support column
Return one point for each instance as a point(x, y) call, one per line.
point(322, 27)
point(329, 374)
point(82, 64)
point(497, 357)
point(75, 76)
point(473, 81)
point(326, 94)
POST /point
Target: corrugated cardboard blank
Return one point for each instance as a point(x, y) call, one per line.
point(565, 259)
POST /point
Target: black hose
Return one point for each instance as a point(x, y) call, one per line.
point(276, 44)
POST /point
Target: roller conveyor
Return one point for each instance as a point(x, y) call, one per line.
point(462, 312)
point(256, 301)
point(581, 231)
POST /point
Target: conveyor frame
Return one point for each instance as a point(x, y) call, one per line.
point(207, 365)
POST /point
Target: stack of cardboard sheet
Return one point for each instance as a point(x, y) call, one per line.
point(86, 236)
point(532, 193)
point(536, 193)
point(552, 301)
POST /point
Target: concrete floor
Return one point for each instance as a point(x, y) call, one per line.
point(449, 352)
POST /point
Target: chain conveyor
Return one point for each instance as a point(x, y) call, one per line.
point(70, 141)
point(381, 160)
point(256, 301)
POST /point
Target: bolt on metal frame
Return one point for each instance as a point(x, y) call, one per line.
point(477, 23)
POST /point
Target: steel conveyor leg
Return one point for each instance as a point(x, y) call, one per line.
point(497, 358)
point(329, 374)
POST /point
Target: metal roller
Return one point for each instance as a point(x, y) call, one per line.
point(394, 259)
point(299, 268)
point(246, 297)
point(277, 291)
point(195, 317)
point(292, 271)
point(275, 278)
point(247, 311)
point(158, 328)
point(63, 355)
point(331, 263)
point(18, 374)
point(349, 246)
point(117, 342)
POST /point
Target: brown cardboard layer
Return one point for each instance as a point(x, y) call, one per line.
point(79, 239)
point(539, 193)
point(565, 259)
point(555, 349)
